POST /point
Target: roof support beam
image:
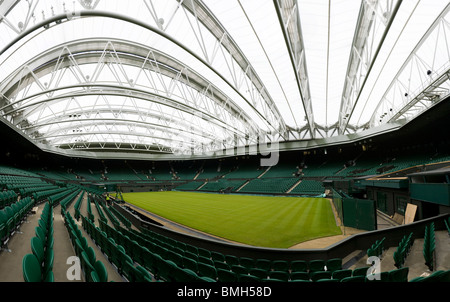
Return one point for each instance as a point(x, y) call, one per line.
point(364, 52)
point(287, 11)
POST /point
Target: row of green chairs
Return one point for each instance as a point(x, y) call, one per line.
point(12, 217)
point(94, 270)
point(403, 249)
point(146, 237)
point(437, 276)
point(206, 263)
point(113, 219)
point(344, 275)
point(89, 208)
point(7, 198)
point(116, 253)
point(67, 201)
point(99, 210)
point(447, 225)
point(429, 245)
point(76, 207)
point(377, 248)
point(37, 266)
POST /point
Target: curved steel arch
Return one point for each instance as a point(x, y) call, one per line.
point(58, 19)
point(42, 67)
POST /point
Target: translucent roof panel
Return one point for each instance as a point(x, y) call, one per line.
point(178, 76)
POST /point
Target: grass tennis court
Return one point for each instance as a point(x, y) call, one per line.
point(266, 221)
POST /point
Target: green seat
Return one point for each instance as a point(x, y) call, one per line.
point(99, 274)
point(45, 258)
point(317, 275)
point(86, 265)
point(299, 266)
point(327, 280)
point(299, 276)
point(207, 270)
point(340, 274)
point(360, 271)
point(222, 265)
point(31, 268)
point(399, 275)
point(334, 264)
point(143, 274)
point(190, 264)
point(248, 278)
point(204, 252)
point(226, 276)
point(231, 260)
point(264, 264)
point(354, 279)
point(165, 269)
point(434, 277)
point(280, 265)
point(316, 265)
point(217, 256)
point(247, 262)
point(184, 275)
point(239, 269)
point(259, 272)
point(381, 277)
point(280, 275)
point(91, 254)
point(201, 259)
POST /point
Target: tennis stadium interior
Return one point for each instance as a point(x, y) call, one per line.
point(99, 99)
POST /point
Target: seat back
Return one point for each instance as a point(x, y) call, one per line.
point(31, 268)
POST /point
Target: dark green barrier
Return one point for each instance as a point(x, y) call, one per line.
point(359, 213)
point(355, 213)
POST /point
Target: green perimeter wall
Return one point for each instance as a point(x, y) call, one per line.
point(355, 213)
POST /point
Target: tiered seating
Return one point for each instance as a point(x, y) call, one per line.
point(76, 207)
point(11, 217)
point(403, 250)
point(244, 172)
point(7, 198)
point(38, 265)
point(281, 170)
point(93, 269)
point(66, 201)
point(171, 260)
point(429, 246)
point(223, 184)
point(190, 186)
point(114, 249)
point(121, 174)
point(307, 186)
point(120, 217)
point(268, 185)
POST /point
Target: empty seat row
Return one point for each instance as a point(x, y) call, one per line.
point(403, 250)
point(437, 276)
point(429, 246)
point(11, 218)
point(206, 263)
point(116, 253)
point(93, 269)
point(447, 224)
point(37, 266)
point(377, 248)
point(7, 198)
